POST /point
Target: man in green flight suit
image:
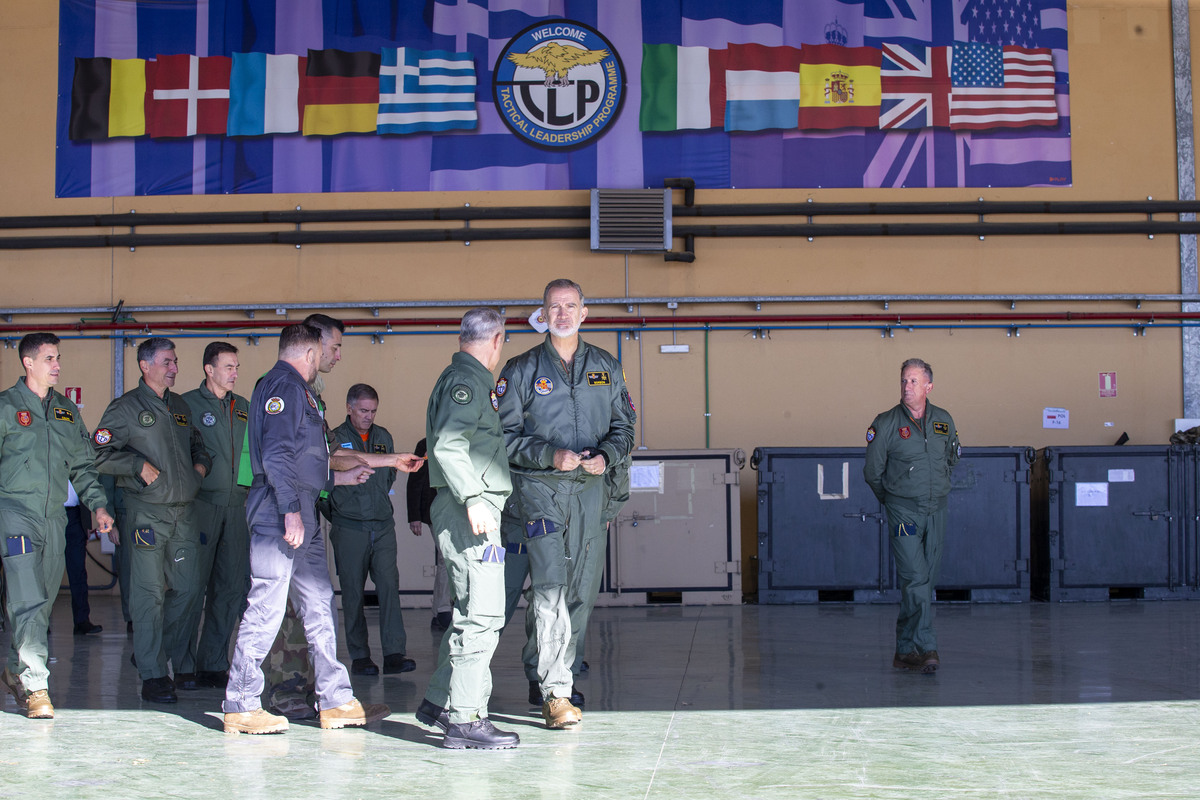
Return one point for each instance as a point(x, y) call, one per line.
point(146, 439)
point(223, 568)
point(468, 467)
point(911, 450)
point(43, 444)
point(567, 420)
point(363, 535)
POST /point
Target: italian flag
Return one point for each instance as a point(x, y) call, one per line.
point(683, 88)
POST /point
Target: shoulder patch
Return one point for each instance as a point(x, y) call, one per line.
point(870, 434)
point(461, 394)
point(274, 405)
point(495, 401)
point(599, 379)
point(501, 387)
point(63, 415)
point(103, 436)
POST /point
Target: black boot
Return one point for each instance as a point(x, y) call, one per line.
point(433, 716)
point(479, 735)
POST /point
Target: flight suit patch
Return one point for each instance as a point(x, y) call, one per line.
point(18, 545)
point(180, 420)
point(146, 419)
point(906, 529)
point(275, 405)
point(941, 427)
point(346, 445)
point(242, 415)
point(905, 432)
point(103, 436)
point(24, 419)
point(870, 434)
point(598, 379)
point(543, 385)
point(501, 387)
point(381, 448)
point(629, 400)
point(143, 537)
point(64, 415)
point(461, 394)
point(495, 401)
point(539, 527)
point(312, 401)
point(209, 419)
point(493, 555)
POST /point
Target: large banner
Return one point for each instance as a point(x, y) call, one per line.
point(261, 96)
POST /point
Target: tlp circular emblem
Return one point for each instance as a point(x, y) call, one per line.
point(543, 385)
point(559, 84)
point(208, 419)
point(146, 418)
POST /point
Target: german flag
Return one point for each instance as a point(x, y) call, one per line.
point(108, 98)
point(339, 93)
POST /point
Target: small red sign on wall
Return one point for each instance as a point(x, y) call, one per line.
point(1108, 384)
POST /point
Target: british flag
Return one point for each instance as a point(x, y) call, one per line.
point(916, 87)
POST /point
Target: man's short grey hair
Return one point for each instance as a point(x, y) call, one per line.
point(919, 364)
point(480, 325)
point(561, 283)
point(148, 350)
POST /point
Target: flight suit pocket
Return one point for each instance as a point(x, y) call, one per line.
point(143, 538)
point(17, 545)
point(22, 576)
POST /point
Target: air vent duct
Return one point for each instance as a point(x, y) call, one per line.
point(631, 220)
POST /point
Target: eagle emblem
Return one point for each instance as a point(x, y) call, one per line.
point(556, 60)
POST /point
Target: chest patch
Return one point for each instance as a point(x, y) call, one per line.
point(380, 448)
point(905, 432)
point(543, 385)
point(209, 419)
point(598, 379)
point(312, 401)
point(275, 405)
point(146, 419)
point(242, 415)
point(64, 415)
point(942, 428)
point(24, 419)
point(180, 420)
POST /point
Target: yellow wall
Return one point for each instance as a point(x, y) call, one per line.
point(810, 388)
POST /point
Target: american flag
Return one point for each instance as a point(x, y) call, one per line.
point(915, 83)
point(994, 87)
point(1004, 22)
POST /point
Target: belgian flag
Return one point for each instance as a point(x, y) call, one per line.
point(108, 98)
point(339, 93)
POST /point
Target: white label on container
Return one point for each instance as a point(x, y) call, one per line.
point(1091, 494)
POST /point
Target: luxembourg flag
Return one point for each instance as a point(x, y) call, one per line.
point(762, 86)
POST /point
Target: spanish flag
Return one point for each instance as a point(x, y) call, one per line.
point(339, 93)
point(108, 98)
point(839, 86)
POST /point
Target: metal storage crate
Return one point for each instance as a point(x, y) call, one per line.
point(822, 535)
point(1119, 523)
point(678, 539)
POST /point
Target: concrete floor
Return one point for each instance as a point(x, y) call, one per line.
point(1032, 701)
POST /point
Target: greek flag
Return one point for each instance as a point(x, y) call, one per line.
point(426, 90)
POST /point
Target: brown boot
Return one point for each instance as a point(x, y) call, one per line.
point(256, 721)
point(930, 661)
point(14, 687)
point(353, 714)
point(559, 713)
point(910, 660)
point(38, 706)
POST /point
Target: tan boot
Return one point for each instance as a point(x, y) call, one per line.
point(559, 713)
point(353, 714)
point(256, 721)
point(38, 706)
point(14, 687)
